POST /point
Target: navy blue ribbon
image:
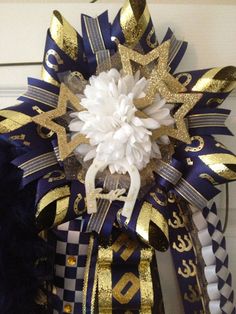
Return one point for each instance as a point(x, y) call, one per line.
point(66, 62)
point(185, 263)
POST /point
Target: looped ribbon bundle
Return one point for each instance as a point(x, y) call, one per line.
point(120, 273)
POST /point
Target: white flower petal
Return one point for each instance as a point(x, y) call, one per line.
point(75, 125)
point(83, 149)
point(150, 123)
point(90, 155)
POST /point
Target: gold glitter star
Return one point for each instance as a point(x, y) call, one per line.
point(188, 101)
point(46, 120)
point(163, 83)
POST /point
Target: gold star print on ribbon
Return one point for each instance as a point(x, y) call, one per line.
point(47, 120)
point(162, 82)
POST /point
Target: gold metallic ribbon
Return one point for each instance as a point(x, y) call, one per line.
point(61, 197)
point(222, 164)
point(217, 80)
point(134, 19)
point(152, 227)
point(146, 287)
point(143, 282)
point(65, 36)
point(105, 256)
point(86, 278)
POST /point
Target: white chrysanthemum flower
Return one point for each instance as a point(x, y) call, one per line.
point(116, 134)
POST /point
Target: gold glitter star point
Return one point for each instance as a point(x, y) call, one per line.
point(46, 120)
point(180, 131)
point(163, 83)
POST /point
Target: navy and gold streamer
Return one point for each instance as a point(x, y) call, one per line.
point(185, 260)
point(123, 273)
point(217, 80)
point(131, 24)
point(63, 50)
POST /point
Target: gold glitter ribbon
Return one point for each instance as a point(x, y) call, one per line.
point(105, 257)
point(61, 197)
point(65, 36)
point(134, 19)
point(146, 287)
point(217, 80)
point(156, 233)
point(13, 120)
point(86, 278)
point(47, 77)
point(222, 164)
point(143, 282)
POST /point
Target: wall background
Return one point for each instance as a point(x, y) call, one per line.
point(224, 2)
point(209, 26)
